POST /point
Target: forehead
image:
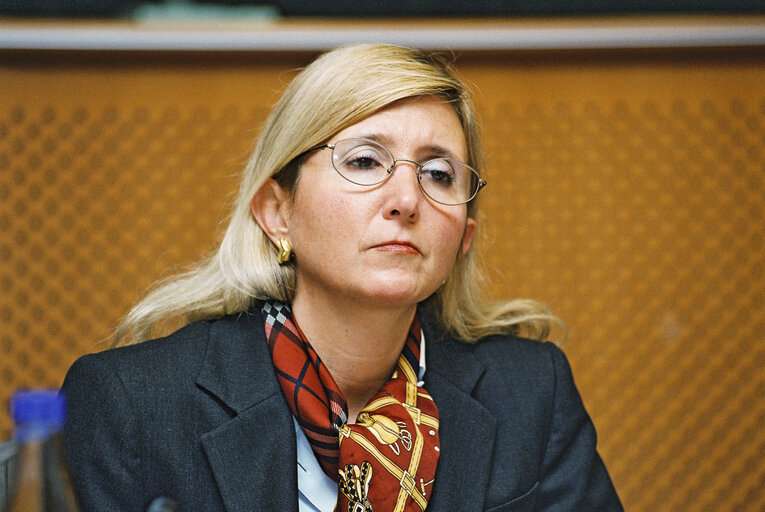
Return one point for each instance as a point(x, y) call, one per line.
point(413, 125)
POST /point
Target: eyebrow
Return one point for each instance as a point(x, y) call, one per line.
point(434, 150)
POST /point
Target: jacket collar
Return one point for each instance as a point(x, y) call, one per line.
point(237, 367)
point(466, 431)
point(256, 449)
point(253, 455)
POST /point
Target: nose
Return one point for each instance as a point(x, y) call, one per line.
point(404, 194)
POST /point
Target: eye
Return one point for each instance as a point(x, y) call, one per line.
point(361, 158)
point(362, 163)
point(438, 172)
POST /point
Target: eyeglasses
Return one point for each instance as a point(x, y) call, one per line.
point(368, 163)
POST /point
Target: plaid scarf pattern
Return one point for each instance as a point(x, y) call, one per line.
point(386, 460)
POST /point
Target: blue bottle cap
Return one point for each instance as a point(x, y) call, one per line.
point(41, 406)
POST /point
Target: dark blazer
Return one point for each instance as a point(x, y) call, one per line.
point(200, 417)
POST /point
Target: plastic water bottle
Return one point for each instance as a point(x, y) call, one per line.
point(41, 480)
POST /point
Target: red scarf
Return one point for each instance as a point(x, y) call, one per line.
point(386, 461)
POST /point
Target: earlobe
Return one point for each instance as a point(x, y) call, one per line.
point(267, 207)
point(467, 236)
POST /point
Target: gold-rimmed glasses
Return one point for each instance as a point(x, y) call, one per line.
point(367, 163)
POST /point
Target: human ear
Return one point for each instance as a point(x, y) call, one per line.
point(269, 208)
point(467, 235)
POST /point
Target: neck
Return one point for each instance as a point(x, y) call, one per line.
point(359, 345)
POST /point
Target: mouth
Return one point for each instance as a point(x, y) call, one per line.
point(399, 246)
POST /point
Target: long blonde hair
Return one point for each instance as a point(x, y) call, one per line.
point(339, 89)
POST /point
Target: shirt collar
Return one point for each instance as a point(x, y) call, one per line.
point(421, 370)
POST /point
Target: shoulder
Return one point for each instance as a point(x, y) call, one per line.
point(532, 355)
point(521, 382)
point(512, 359)
point(536, 371)
point(170, 361)
point(516, 361)
point(515, 379)
point(120, 381)
point(180, 350)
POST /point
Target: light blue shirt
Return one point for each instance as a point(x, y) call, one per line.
point(317, 492)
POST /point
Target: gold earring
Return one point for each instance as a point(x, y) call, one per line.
point(285, 251)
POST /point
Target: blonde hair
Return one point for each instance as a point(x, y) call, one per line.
point(337, 90)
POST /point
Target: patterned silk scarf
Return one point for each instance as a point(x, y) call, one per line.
point(386, 461)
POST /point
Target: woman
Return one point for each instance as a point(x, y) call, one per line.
point(340, 355)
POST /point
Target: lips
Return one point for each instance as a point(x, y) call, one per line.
point(400, 246)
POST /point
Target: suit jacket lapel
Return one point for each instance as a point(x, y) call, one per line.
point(252, 456)
point(467, 430)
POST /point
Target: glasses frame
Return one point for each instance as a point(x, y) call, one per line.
point(392, 168)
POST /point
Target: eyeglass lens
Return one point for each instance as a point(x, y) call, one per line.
point(366, 162)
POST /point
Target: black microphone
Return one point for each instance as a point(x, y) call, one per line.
point(163, 505)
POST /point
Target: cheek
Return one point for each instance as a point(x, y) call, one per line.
point(452, 245)
point(452, 227)
point(323, 223)
point(447, 237)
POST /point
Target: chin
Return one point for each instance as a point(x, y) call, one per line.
point(397, 291)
